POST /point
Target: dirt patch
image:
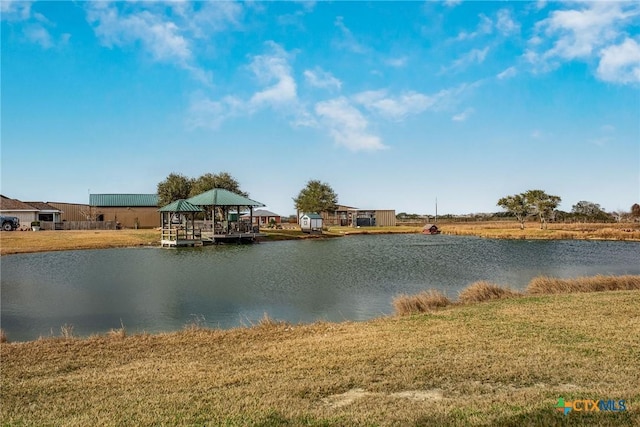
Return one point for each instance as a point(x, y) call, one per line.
point(418, 395)
point(347, 398)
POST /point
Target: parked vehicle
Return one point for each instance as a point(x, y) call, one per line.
point(9, 223)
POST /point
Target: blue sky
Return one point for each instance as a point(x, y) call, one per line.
point(393, 104)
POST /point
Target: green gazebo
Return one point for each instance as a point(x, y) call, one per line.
point(179, 224)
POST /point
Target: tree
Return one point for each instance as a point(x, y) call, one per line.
point(635, 211)
point(542, 204)
point(587, 209)
point(316, 197)
point(209, 181)
point(590, 211)
point(174, 187)
point(516, 205)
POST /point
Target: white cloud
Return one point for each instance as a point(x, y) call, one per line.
point(35, 25)
point(205, 113)
point(485, 26)
point(274, 67)
point(508, 73)
point(39, 35)
point(348, 40)
point(505, 23)
point(160, 37)
point(347, 125)
point(394, 108)
point(167, 31)
point(15, 10)
point(397, 62)
point(399, 107)
point(461, 117)
point(474, 56)
point(277, 90)
point(620, 63)
point(322, 79)
point(590, 31)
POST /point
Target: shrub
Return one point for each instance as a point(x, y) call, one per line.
point(485, 291)
point(423, 302)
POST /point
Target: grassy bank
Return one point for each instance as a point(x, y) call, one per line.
point(504, 362)
point(15, 242)
point(511, 230)
point(23, 242)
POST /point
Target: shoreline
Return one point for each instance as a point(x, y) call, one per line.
point(15, 242)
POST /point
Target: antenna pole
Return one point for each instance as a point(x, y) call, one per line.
point(436, 220)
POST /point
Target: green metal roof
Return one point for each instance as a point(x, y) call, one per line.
point(123, 200)
point(180, 206)
point(221, 197)
point(311, 215)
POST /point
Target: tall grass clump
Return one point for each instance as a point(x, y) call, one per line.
point(197, 322)
point(120, 332)
point(552, 285)
point(67, 331)
point(485, 291)
point(267, 322)
point(3, 336)
point(423, 302)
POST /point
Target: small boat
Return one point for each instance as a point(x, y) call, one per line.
point(430, 229)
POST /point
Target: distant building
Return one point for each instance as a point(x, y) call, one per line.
point(23, 211)
point(263, 217)
point(72, 211)
point(127, 210)
point(348, 216)
point(27, 212)
point(46, 212)
point(311, 223)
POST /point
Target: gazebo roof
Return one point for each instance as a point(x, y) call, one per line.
point(180, 206)
point(221, 197)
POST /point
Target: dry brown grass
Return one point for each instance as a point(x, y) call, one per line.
point(511, 230)
point(400, 229)
point(420, 303)
point(485, 291)
point(553, 285)
point(67, 331)
point(502, 363)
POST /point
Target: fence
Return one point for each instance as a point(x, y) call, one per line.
point(78, 225)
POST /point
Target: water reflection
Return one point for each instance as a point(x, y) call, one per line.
point(351, 278)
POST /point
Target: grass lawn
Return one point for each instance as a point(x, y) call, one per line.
point(503, 362)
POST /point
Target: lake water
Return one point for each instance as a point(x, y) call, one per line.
point(349, 278)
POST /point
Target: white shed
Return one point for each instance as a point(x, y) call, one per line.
point(310, 223)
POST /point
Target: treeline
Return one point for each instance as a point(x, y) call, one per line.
point(536, 205)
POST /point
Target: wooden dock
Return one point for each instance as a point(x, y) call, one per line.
point(174, 238)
